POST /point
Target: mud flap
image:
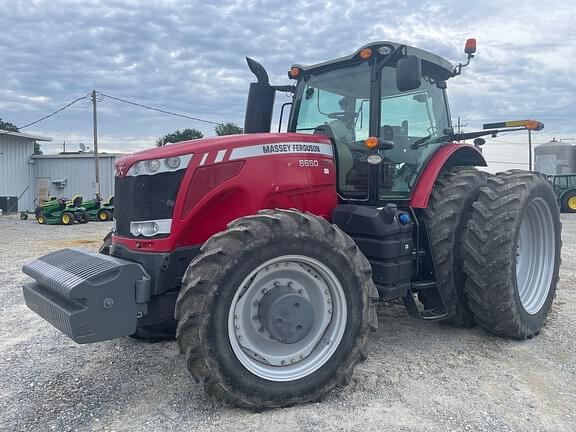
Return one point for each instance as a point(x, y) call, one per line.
point(88, 296)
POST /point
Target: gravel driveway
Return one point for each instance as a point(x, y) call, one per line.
point(419, 377)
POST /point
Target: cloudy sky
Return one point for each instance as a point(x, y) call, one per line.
point(188, 57)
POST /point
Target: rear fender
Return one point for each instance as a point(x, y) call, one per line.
point(446, 156)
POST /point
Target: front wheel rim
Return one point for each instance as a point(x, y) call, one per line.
point(254, 345)
point(536, 255)
point(572, 203)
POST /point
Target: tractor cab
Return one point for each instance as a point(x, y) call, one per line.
point(385, 109)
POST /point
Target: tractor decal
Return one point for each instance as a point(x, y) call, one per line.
point(284, 148)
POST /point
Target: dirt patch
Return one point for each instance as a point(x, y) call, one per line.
point(419, 377)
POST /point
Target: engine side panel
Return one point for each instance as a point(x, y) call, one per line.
point(298, 172)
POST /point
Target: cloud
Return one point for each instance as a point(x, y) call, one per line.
point(188, 56)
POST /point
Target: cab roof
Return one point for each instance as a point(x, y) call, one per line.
point(431, 63)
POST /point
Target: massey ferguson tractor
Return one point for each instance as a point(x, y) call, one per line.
point(266, 254)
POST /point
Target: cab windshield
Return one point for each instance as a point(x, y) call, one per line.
point(337, 103)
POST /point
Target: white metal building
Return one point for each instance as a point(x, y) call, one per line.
point(68, 174)
point(25, 178)
point(16, 172)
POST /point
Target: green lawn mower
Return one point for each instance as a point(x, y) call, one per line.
point(59, 211)
point(99, 210)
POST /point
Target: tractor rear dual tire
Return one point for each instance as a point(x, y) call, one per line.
point(229, 270)
point(512, 254)
point(447, 214)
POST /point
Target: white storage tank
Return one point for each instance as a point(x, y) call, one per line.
point(555, 157)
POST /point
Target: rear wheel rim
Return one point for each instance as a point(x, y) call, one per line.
point(535, 257)
point(66, 219)
point(252, 342)
point(103, 216)
point(572, 203)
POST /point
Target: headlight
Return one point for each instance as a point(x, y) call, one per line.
point(134, 169)
point(158, 166)
point(172, 162)
point(385, 49)
point(153, 165)
point(150, 228)
point(374, 159)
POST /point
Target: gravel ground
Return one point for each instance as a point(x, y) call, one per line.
point(419, 377)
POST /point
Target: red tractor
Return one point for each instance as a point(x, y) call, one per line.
point(266, 254)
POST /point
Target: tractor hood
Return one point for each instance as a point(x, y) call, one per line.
point(214, 146)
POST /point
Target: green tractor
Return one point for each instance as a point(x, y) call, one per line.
point(565, 188)
point(99, 210)
point(59, 211)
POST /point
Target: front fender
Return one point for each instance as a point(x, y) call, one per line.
point(446, 156)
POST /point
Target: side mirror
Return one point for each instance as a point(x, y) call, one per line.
point(409, 73)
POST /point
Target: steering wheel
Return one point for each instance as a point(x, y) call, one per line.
point(342, 115)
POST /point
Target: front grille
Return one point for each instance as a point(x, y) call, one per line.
point(145, 197)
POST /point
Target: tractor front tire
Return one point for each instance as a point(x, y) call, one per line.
point(41, 219)
point(276, 310)
point(512, 254)
point(157, 332)
point(447, 215)
point(104, 248)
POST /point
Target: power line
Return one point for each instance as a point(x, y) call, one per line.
point(158, 109)
point(54, 113)
point(80, 116)
point(508, 162)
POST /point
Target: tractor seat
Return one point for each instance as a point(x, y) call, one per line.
point(76, 201)
point(402, 152)
point(343, 138)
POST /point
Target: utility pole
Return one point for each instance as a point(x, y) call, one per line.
point(529, 150)
point(95, 122)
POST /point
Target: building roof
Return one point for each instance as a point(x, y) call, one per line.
point(78, 155)
point(25, 135)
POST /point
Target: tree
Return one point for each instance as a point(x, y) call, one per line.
point(180, 135)
point(8, 126)
point(13, 128)
point(228, 129)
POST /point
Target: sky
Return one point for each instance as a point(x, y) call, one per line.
point(188, 57)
